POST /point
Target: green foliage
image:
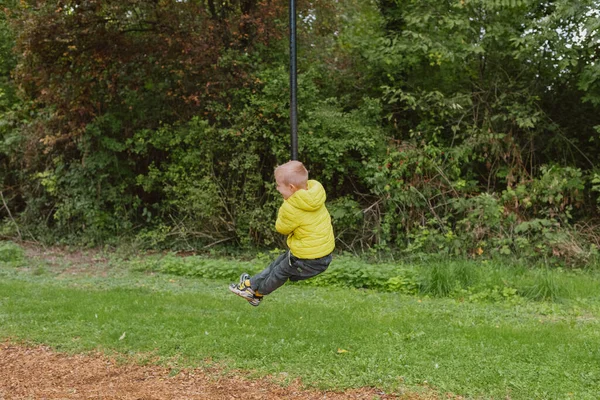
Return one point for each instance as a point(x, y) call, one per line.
point(458, 148)
point(595, 185)
point(546, 286)
point(88, 203)
point(91, 102)
point(464, 128)
point(439, 281)
point(11, 119)
point(11, 254)
point(197, 267)
point(208, 187)
point(347, 218)
point(346, 273)
point(427, 204)
point(466, 280)
point(216, 184)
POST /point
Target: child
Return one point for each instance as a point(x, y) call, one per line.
point(306, 221)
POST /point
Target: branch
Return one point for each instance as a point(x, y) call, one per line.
point(10, 215)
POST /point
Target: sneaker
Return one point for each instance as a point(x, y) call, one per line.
point(244, 290)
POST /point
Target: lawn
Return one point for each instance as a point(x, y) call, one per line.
point(330, 336)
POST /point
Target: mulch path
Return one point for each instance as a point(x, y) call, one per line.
point(40, 373)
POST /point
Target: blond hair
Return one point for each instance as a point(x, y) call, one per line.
point(294, 173)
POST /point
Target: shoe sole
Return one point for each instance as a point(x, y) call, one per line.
point(253, 301)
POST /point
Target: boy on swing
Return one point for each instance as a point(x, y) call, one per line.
point(307, 224)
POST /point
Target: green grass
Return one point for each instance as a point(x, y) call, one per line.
point(331, 337)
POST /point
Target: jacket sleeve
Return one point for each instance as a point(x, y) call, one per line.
point(286, 223)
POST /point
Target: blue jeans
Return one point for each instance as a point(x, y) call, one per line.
point(287, 266)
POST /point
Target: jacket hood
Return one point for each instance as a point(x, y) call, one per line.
point(310, 199)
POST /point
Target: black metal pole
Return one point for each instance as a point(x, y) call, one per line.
point(293, 82)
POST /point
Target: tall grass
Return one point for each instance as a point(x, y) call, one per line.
point(439, 280)
point(465, 279)
point(11, 254)
point(546, 286)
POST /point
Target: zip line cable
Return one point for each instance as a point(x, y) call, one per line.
point(293, 83)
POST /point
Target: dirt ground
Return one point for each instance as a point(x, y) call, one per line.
point(39, 373)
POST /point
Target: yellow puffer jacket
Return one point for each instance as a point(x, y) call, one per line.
point(306, 221)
